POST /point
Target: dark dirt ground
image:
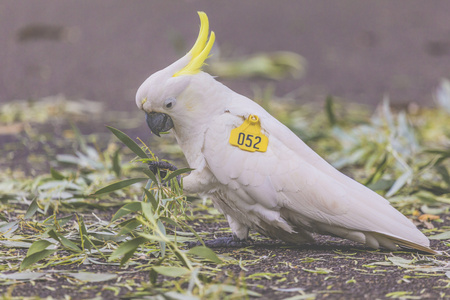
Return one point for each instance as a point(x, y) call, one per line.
point(347, 271)
point(357, 50)
point(330, 269)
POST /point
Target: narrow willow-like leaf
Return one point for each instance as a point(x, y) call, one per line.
point(153, 276)
point(128, 226)
point(195, 233)
point(151, 237)
point(171, 271)
point(56, 175)
point(63, 241)
point(329, 108)
point(126, 257)
point(183, 258)
point(399, 183)
point(205, 252)
point(68, 159)
point(9, 227)
point(444, 173)
point(34, 258)
point(162, 244)
point(69, 244)
point(31, 210)
point(79, 137)
point(64, 220)
point(177, 172)
point(119, 185)
point(147, 211)
point(126, 209)
point(86, 243)
point(170, 221)
point(127, 247)
point(151, 198)
point(233, 289)
point(378, 171)
point(15, 244)
point(440, 236)
point(150, 175)
point(108, 237)
point(92, 277)
point(128, 142)
point(38, 246)
point(116, 163)
point(23, 276)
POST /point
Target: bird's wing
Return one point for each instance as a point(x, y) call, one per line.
point(292, 178)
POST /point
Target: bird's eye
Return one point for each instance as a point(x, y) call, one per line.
point(170, 102)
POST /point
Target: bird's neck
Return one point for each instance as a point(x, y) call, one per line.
point(204, 102)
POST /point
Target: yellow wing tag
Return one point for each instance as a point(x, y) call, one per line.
point(248, 136)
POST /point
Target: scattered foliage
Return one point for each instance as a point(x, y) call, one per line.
point(97, 214)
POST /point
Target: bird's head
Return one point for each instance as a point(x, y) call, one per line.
point(171, 97)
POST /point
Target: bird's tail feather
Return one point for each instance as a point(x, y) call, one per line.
point(406, 243)
point(373, 239)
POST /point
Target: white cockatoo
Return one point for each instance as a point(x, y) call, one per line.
point(258, 172)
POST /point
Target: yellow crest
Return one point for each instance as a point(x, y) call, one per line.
point(200, 51)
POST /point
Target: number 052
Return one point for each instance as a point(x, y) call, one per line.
point(249, 140)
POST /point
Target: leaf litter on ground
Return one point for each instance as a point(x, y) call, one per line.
point(103, 208)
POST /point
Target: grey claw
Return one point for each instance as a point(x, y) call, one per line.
point(162, 167)
point(223, 242)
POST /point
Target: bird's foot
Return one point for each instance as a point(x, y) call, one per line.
point(224, 242)
point(162, 167)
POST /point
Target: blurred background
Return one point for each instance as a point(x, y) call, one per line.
point(103, 50)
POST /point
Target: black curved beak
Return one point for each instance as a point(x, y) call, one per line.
point(158, 122)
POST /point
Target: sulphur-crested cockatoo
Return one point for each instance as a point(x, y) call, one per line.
point(256, 171)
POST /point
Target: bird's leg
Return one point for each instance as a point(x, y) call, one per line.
point(224, 242)
point(162, 167)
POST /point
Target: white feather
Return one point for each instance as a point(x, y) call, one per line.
point(292, 180)
point(282, 192)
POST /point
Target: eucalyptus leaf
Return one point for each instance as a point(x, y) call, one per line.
point(147, 211)
point(151, 237)
point(38, 246)
point(432, 210)
point(31, 209)
point(56, 175)
point(127, 247)
point(440, 236)
point(92, 277)
point(15, 244)
point(118, 185)
point(150, 175)
point(127, 209)
point(64, 241)
point(162, 244)
point(34, 258)
point(151, 198)
point(116, 163)
point(68, 159)
point(128, 142)
point(23, 276)
point(171, 271)
point(329, 108)
point(128, 226)
point(232, 289)
point(205, 252)
point(9, 227)
point(170, 221)
point(399, 183)
point(177, 172)
point(172, 295)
